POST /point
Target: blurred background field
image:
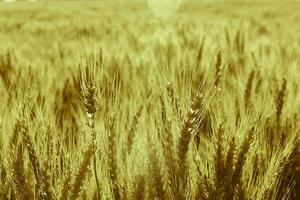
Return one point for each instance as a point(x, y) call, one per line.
point(42, 28)
point(204, 104)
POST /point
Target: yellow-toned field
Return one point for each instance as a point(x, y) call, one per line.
point(106, 100)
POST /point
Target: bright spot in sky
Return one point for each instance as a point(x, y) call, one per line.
point(164, 8)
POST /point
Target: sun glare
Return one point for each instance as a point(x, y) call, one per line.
point(164, 8)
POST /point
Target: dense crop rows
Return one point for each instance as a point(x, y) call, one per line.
point(105, 101)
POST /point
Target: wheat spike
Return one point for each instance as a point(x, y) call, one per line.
point(139, 188)
point(112, 160)
point(40, 174)
point(23, 188)
point(248, 91)
point(218, 67)
point(90, 102)
point(186, 134)
point(219, 160)
point(241, 158)
point(66, 187)
point(280, 99)
point(157, 189)
point(82, 171)
point(131, 133)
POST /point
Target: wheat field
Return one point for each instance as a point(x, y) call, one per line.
point(104, 100)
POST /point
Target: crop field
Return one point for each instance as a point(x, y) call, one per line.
point(109, 100)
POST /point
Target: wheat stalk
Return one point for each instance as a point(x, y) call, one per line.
point(90, 102)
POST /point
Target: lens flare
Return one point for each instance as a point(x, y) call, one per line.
point(164, 8)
